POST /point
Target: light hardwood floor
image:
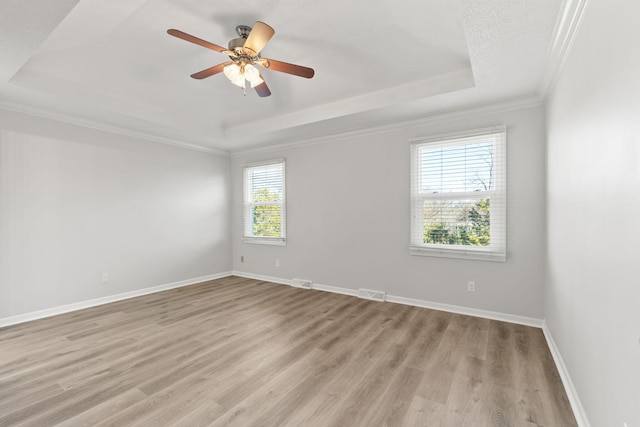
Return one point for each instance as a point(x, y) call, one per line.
point(242, 352)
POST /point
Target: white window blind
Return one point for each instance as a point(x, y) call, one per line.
point(458, 195)
point(264, 203)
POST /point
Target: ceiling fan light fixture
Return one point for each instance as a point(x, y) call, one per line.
point(251, 73)
point(232, 71)
point(239, 81)
point(240, 74)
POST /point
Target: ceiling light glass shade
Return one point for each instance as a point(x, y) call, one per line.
point(232, 71)
point(251, 73)
point(238, 81)
point(256, 82)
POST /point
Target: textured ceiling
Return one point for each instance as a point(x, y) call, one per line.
point(375, 62)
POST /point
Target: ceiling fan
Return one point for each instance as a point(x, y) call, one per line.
point(244, 53)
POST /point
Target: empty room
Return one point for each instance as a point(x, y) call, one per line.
point(279, 213)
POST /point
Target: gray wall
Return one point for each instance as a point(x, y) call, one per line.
point(76, 202)
point(593, 292)
point(348, 219)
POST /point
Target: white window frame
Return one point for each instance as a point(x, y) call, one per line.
point(496, 250)
point(248, 204)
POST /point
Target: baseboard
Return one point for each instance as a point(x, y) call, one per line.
point(468, 311)
point(510, 318)
point(261, 277)
point(316, 286)
point(35, 315)
point(335, 289)
point(572, 394)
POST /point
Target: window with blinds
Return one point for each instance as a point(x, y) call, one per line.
point(264, 203)
point(458, 195)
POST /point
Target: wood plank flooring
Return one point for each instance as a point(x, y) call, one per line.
point(241, 352)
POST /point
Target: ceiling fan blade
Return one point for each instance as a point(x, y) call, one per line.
point(262, 89)
point(260, 34)
point(284, 67)
point(188, 37)
point(210, 71)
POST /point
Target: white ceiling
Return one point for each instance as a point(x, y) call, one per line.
point(376, 62)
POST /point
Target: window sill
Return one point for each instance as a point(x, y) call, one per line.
point(273, 241)
point(476, 255)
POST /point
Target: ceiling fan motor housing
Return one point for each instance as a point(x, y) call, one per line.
point(234, 43)
point(243, 31)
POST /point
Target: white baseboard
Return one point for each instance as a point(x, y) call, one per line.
point(335, 289)
point(21, 318)
point(572, 394)
point(493, 315)
point(316, 286)
point(261, 277)
point(510, 318)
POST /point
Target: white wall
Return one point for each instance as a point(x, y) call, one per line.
point(76, 202)
point(593, 290)
point(348, 219)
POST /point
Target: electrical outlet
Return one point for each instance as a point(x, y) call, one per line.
point(471, 286)
point(241, 258)
point(277, 263)
point(104, 278)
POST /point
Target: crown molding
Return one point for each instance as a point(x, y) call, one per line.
point(105, 127)
point(440, 117)
point(567, 26)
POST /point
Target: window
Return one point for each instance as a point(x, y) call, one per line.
point(264, 203)
point(458, 195)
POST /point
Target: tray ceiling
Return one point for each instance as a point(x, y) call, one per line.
point(375, 62)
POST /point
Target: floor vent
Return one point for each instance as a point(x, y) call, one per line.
point(301, 283)
point(372, 295)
